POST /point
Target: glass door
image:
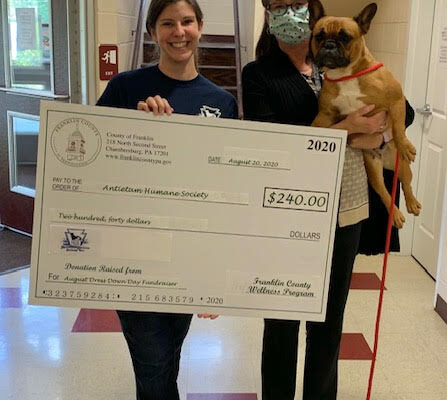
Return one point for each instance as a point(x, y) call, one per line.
point(34, 66)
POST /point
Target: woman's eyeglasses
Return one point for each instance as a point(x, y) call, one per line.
point(278, 9)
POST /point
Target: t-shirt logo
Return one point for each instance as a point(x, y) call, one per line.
point(210, 112)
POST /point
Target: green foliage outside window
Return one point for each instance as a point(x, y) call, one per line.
point(29, 58)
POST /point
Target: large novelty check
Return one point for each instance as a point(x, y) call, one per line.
point(183, 213)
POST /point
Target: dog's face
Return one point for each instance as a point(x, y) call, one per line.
point(338, 41)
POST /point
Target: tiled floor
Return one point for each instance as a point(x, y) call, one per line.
point(65, 354)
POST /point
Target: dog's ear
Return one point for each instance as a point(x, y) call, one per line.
point(365, 17)
point(316, 11)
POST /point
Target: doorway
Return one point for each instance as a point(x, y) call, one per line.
point(34, 66)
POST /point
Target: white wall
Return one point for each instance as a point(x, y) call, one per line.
point(115, 21)
point(345, 8)
point(388, 37)
point(218, 16)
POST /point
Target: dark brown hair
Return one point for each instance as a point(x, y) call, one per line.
point(267, 43)
point(157, 7)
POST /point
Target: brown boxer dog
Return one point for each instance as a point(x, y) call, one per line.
point(353, 79)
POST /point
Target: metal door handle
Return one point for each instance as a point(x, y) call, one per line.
point(426, 110)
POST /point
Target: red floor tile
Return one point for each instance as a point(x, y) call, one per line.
point(354, 347)
point(11, 298)
point(365, 281)
point(97, 321)
point(222, 396)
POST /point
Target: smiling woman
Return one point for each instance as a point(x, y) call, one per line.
point(155, 339)
point(177, 29)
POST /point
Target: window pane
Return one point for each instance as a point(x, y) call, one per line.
point(23, 154)
point(30, 57)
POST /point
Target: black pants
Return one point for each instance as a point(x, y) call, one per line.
point(279, 355)
point(155, 343)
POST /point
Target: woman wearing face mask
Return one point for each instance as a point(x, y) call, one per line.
point(282, 86)
point(174, 85)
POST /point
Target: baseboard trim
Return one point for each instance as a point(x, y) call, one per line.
point(441, 308)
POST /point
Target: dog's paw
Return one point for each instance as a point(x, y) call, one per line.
point(414, 207)
point(398, 218)
point(406, 150)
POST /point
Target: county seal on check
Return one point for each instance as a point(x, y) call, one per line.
point(183, 214)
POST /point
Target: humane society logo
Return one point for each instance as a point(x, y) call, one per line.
point(76, 142)
point(210, 112)
point(75, 240)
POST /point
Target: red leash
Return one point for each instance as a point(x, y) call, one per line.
point(382, 286)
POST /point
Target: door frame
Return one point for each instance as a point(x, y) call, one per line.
point(441, 286)
point(417, 65)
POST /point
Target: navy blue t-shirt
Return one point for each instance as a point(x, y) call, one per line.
point(198, 96)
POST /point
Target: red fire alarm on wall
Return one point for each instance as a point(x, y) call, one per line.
point(108, 62)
